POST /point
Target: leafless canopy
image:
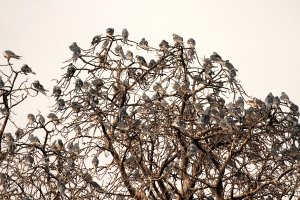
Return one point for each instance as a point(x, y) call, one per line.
point(132, 121)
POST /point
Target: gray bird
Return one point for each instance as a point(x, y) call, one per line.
point(240, 103)
point(190, 54)
point(164, 45)
point(223, 124)
point(26, 69)
point(145, 97)
point(40, 119)
point(70, 71)
point(125, 35)
point(52, 117)
point(110, 32)
point(29, 160)
point(229, 122)
point(276, 102)
point(95, 161)
point(129, 55)
point(191, 42)
point(215, 57)
point(31, 118)
point(178, 41)
point(8, 138)
point(9, 54)
point(119, 51)
point(228, 65)
point(60, 104)
point(152, 63)
point(105, 44)
point(284, 97)
point(34, 140)
point(76, 51)
point(39, 87)
point(76, 106)
point(143, 43)
point(1, 82)
point(269, 100)
point(78, 84)
point(56, 92)
point(19, 133)
point(58, 145)
point(61, 188)
point(96, 40)
point(141, 60)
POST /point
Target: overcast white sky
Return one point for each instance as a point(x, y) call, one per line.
point(261, 38)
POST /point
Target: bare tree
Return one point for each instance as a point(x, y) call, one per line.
point(163, 124)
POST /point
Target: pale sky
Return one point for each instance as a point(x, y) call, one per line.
point(260, 38)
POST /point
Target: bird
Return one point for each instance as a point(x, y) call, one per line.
point(40, 119)
point(110, 32)
point(141, 60)
point(164, 45)
point(34, 140)
point(39, 87)
point(96, 40)
point(240, 103)
point(143, 43)
point(56, 92)
point(215, 57)
point(60, 104)
point(152, 63)
point(9, 54)
point(119, 51)
point(95, 161)
point(78, 84)
point(1, 82)
point(178, 41)
point(125, 35)
point(76, 51)
point(26, 69)
point(8, 138)
point(58, 145)
point(129, 55)
point(191, 42)
point(31, 118)
point(284, 97)
point(105, 44)
point(29, 160)
point(52, 116)
point(269, 100)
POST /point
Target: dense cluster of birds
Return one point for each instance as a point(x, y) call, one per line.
point(134, 98)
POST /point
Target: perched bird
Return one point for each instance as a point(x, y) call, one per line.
point(96, 40)
point(76, 51)
point(29, 160)
point(191, 42)
point(39, 87)
point(19, 133)
point(190, 54)
point(31, 118)
point(125, 35)
point(76, 106)
point(40, 119)
point(8, 138)
point(178, 41)
point(105, 44)
point(58, 145)
point(26, 69)
point(152, 63)
point(240, 103)
point(269, 100)
point(60, 104)
point(146, 98)
point(1, 82)
point(95, 161)
point(229, 122)
point(284, 97)
point(56, 92)
point(78, 84)
point(119, 51)
point(164, 45)
point(141, 60)
point(110, 32)
point(129, 55)
point(9, 54)
point(276, 102)
point(228, 65)
point(143, 43)
point(215, 57)
point(70, 71)
point(52, 117)
point(61, 188)
point(34, 140)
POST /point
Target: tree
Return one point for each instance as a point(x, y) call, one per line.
point(164, 124)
